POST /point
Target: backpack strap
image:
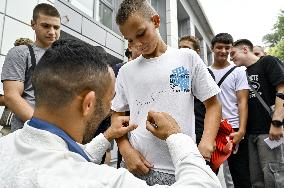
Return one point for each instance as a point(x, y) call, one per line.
point(29, 70)
point(225, 76)
point(33, 59)
point(260, 99)
point(212, 74)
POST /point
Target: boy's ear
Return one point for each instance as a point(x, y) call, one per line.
point(156, 20)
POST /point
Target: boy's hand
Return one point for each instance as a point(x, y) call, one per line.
point(206, 149)
point(119, 127)
point(161, 124)
point(135, 162)
point(237, 136)
point(275, 133)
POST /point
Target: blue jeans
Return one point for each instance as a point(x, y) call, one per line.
point(266, 165)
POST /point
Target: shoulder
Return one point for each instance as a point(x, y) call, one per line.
point(184, 51)
point(21, 50)
point(240, 70)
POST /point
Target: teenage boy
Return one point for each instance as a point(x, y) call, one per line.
point(266, 75)
point(17, 68)
point(190, 42)
point(233, 97)
point(162, 78)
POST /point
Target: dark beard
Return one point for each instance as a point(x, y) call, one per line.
point(94, 121)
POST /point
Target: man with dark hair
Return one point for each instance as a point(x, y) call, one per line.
point(266, 76)
point(18, 65)
point(48, 150)
point(161, 78)
point(190, 42)
point(233, 97)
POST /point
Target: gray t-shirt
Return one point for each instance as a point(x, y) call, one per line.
point(16, 64)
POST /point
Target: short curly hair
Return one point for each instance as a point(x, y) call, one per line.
point(129, 7)
point(23, 41)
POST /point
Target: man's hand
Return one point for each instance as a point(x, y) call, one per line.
point(135, 162)
point(119, 127)
point(275, 133)
point(206, 149)
point(237, 136)
point(161, 124)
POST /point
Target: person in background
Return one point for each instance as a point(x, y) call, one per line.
point(259, 51)
point(266, 76)
point(234, 100)
point(190, 42)
point(18, 67)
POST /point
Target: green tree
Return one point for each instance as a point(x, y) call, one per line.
point(278, 31)
point(277, 50)
point(275, 40)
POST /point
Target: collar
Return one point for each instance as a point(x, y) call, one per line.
point(72, 145)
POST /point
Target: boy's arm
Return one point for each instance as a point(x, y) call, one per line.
point(275, 133)
point(13, 91)
point(242, 98)
point(134, 161)
point(211, 126)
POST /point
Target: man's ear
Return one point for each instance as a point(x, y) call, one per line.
point(88, 103)
point(245, 49)
point(33, 23)
point(156, 20)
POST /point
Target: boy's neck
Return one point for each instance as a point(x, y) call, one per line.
point(220, 65)
point(160, 49)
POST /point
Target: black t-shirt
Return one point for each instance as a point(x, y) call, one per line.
point(265, 75)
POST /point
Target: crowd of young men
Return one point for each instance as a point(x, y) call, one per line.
point(162, 87)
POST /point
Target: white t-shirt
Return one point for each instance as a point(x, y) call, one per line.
point(164, 84)
point(32, 158)
point(234, 82)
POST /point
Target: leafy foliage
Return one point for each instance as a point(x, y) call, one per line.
point(275, 40)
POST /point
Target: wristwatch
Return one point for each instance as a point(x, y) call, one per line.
point(277, 123)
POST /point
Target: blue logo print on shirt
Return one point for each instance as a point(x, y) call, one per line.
point(179, 80)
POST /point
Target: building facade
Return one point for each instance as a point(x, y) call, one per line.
point(93, 21)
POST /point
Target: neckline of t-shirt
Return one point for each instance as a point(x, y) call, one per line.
point(228, 67)
point(37, 47)
point(154, 59)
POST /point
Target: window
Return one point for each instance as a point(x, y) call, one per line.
point(105, 13)
point(86, 6)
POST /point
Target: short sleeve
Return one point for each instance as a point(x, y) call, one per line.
point(15, 64)
point(274, 70)
point(241, 82)
point(203, 85)
point(119, 102)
